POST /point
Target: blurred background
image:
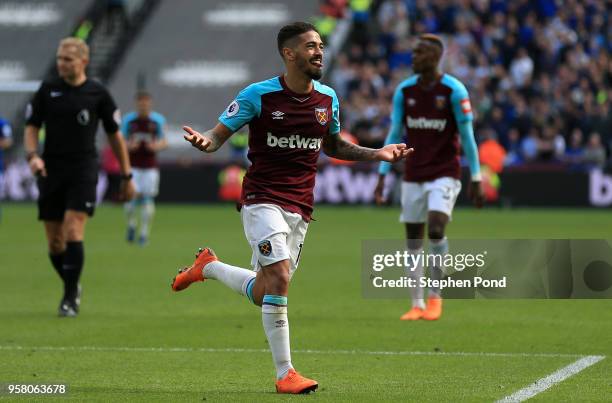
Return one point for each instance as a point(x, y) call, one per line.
point(538, 73)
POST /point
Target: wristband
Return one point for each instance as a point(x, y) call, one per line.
point(477, 177)
point(126, 177)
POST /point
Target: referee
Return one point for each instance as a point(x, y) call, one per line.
point(70, 107)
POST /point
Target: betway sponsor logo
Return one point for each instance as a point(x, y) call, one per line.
point(600, 188)
point(424, 123)
point(294, 141)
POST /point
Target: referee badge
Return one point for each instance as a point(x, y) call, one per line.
point(83, 117)
point(265, 247)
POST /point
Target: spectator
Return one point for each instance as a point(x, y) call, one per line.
point(531, 68)
point(490, 152)
point(574, 153)
point(594, 152)
point(551, 145)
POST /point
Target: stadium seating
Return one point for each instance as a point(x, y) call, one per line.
point(196, 57)
point(29, 33)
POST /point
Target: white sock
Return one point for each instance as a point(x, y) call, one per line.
point(146, 216)
point(276, 327)
point(236, 278)
point(130, 209)
point(439, 247)
point(417, 293)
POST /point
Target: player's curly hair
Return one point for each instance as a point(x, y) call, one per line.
point(290, 31)
point(433, 38)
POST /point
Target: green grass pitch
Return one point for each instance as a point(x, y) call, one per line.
point(135, 340)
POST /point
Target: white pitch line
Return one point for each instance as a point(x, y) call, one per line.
point(542, 384)
point(264, 350)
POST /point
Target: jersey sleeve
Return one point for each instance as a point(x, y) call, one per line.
point(35, 109)
point(460, 100)
point(125, 125)
point(395, 132)
point(160, 121)
point(334, 127)
point(109, 113)
point(242, 110)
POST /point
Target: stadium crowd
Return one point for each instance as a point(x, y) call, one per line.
point(538, 72)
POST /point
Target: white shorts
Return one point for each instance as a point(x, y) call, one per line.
point(274, 235)
point(419, 198)
point(146, 181)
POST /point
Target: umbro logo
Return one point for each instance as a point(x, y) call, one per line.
point(411, 102)
point(277, 115)
point(55, 94)
point(89, 204)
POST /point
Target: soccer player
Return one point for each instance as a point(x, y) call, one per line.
point(144, 134)
point(70, 107)
point(430, 108)
point(290, 118)
point(6, 140)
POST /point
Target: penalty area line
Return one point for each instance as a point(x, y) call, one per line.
point(297, 351)
point(556, 377)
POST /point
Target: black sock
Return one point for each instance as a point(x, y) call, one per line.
point(57, 261)
point(73, 265)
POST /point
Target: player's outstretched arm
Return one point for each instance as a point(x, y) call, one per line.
point(209, 141)
point(336, 147)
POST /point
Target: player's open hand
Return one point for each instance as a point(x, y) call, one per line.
point(197, 139)
point(37, 166)
point(476, 193)
point(393, 152)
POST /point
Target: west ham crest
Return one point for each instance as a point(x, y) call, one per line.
point(440, 102)
point(321, 115)
point(265, 247)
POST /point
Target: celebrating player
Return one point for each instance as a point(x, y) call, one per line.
point(144, 134)
point(290, 118)
point(430, 107)
point(70, 107)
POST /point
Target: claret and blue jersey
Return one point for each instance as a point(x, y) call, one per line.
point(286, 131)
point(431, 118)
point(143, 130)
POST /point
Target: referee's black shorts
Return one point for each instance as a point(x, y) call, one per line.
point(66, 189)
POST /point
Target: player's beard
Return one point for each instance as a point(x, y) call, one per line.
point(308, 69)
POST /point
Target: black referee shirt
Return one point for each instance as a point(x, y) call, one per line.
point(70, 115)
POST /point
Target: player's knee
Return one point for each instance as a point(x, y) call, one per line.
point(74, 234)
point(277, 277)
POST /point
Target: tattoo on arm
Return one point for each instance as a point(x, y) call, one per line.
point(336, 147)
point(218, 135)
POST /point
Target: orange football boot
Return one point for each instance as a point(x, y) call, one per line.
point(414, 314)
point(295, 383)
point(194, 272)
point(433, 311)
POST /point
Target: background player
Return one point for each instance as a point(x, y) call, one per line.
point(290, 117)
point(70, 107)
point(431, 107)
point(144, 134)
point(6, 140)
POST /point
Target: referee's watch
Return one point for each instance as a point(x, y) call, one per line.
point(126, 177)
